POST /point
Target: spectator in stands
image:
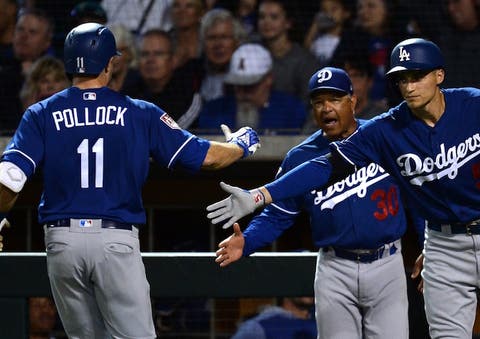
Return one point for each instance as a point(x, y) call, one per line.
point(125, 72)
point(42, 315)
point(379, 27)
point(31, 40)
point(221, 33)
point(290, 320)
point(327, 28)
point(360, 72)
point(8, 18)
point(46, 77)
point(246, 12)
point(254, 103)
point(292, 64)
point(160, 83)
point(185, 33)
point(460, 42)
point(139, 16)
point(88, 11)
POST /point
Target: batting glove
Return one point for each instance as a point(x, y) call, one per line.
point(245, 137)
point(3, 223)
point(239, 204)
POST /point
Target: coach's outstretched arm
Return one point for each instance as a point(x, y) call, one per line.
point(313, 174)
point(240, 144)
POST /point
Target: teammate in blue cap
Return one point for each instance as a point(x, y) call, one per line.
point(94, 146)
point(431, 144)
point(358, 223)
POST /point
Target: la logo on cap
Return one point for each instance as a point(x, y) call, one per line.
point(404, 55)
point(324, 75)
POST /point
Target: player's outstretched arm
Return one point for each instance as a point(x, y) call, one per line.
point(240, 144)
point(231, 248)
point(239, 204)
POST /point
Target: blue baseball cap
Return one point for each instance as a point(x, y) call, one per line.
point(330, 78)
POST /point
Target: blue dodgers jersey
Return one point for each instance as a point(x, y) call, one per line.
point(438, 168)
point(362, 211)
point(94, 147)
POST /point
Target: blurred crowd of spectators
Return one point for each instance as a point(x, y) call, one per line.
point(207, 62)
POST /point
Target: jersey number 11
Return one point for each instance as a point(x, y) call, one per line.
point(84, 151)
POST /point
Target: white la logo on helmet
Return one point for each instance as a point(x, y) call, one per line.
point(324, 75)
point(404, 55)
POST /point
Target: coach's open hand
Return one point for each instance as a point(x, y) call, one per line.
point(245, 137)
point(239, 204)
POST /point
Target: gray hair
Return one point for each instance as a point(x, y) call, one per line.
point(216, 15)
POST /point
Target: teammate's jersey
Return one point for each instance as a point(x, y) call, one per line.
point(362, 211)
point(94, 147)
point(438, 168)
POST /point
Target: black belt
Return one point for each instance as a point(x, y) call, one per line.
point(105, 224)
point(456, 228)
point(363, 256)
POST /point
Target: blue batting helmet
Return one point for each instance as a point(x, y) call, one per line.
point(330, 78)
point(417, 55)
point(88, 48)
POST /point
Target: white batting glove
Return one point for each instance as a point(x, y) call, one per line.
point(245, 137)
point(239, 204)
point(3, 223)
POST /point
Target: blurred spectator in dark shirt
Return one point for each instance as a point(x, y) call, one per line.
point(380, 25)
point(46, 77)
point(460, 42)
point(125, 72)
point(31, 40)
point(254, 103)
point(171, 90)
point(292, 64)
point(221, 34)
point(327, 28)
point(360, 72)
point(185, 33)
point(291, 319)
point(8, 18)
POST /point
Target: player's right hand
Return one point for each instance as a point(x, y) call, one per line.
point(230, 249)
point(245, 137)
point(239, 204)
point(3, 223)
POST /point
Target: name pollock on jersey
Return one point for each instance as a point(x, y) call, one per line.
point(446, 161)
point(103, 115)
point(355, 183)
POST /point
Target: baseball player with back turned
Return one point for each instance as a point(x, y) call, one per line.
point(94, 146)
point(431, 144)
point(360, 284)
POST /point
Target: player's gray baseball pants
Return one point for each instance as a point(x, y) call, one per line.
point(451, 277)
point(361, 300)
point(98, 281)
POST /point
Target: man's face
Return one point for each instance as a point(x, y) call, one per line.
point(31, 38)
point(186, 13)
point(156, 60)
point(272, 21)
point(256, 94)
point(361, 82)
point(220, 43)
point(463, 14)
point(418, 88)
point(333, 112)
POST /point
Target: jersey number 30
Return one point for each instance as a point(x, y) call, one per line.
point(84, 151)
